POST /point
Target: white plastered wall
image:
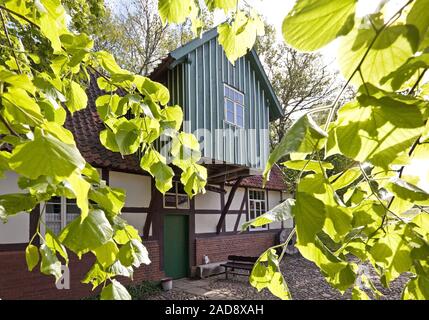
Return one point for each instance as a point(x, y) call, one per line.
point(137, 187)
point(238, 198)
point(208, 201)
point(137, 220)
point(206, 223)
point(17, 229)
point(274, 199)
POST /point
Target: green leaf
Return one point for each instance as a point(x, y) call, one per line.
point(392, 254)
point(80, 188)
point(127, 137)
point(368, 214)
point(112, 200)
point(174, 11)
point(173, 117)
point(46, 155)
point(50, 265)
point(88, 234)
point(106, 254)
point(108, 106)
point(417, 289)
point(53, 22)
point(407, 191)
point(319, 208)
point(149, 158)
point(338, 273)
point(309, 213)
point(390, 50)
point(343, 179)
point(108, 62)
point(126, 234)
point(308, 165)
point(76, 97)
point(418, 16)
point(279, 213)
point(96, 276)
point(266, 274)
point(55, 245)
point(108, 139)
point(21, 108)
point(313, 24)
point(303, 137)
point(31, 256)
point(239, 37)
point(14, 203)
point(133, 253)
point(185, 146)
point(226, 5)
point(156, 91)
point(115, 291)
point(21, 81)
point(163, 175)
point(378, 130)
point(120, 270)
point(194, 179)
point(359, 294)
point(406, 75)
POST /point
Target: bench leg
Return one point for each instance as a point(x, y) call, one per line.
point(226, 273)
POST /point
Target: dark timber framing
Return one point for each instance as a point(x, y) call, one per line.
point(225, 209)
point(243, 204)
point(154, 207)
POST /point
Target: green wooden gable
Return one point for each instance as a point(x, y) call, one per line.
point(196, 75)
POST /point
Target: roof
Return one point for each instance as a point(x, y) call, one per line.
point(178, 56)
point(276, 181)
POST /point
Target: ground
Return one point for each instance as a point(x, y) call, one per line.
point(303, 278)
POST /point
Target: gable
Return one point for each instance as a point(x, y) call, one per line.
point(182, 54)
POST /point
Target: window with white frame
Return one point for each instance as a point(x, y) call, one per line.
point(257, 205)
point(176, 197)
point(59, 212)
point(234, 106)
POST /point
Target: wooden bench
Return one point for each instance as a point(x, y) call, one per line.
point(239, 263)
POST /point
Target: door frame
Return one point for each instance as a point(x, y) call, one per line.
point(158, 227)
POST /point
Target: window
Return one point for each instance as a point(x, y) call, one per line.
point(234, 106)
point(257, 205)
point(176, 197)
point(59, 212)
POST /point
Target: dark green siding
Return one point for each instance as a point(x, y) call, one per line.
point(197, 86)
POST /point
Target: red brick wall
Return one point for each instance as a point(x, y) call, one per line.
point(16, 282)
point(218, 248)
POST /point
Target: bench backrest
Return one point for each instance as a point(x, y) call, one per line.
point(243, 259)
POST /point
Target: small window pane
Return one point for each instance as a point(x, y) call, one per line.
point(241, 99)
point(230, 117)
point(229, 106)
point(182, 202)
point(231, 94)
point(170, 200)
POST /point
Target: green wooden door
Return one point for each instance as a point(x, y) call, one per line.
point(176, 255)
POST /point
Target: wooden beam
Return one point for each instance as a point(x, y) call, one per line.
point(225, 173)
point(228, 204)
point(156, 198)
point(105, 176)
point(215, 189)
point(241, 211)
